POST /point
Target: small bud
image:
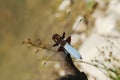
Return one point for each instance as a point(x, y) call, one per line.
point(92, 60)
point(110, 53)
point(23, 42)
point(69, 12)
point(96, 61)
point(102, 52)
point(109, 60)
point(39, 43)
point(28, 41)
point(37, 50)
point(45, 63)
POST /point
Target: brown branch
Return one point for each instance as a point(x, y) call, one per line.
point(71, 71)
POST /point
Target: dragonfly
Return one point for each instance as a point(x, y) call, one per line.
point(65, 46)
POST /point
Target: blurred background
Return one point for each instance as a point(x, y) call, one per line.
point(98, 32)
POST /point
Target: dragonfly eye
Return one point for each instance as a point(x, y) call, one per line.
point(56, 37)
point(55, 40)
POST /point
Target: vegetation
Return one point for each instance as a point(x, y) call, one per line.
point(37, 18)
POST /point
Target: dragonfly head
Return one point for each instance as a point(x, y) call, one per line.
point(56, 38)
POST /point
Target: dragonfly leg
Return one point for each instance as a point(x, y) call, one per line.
point(63, 36)
point(56, 44)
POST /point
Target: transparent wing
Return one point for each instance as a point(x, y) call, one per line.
point(72, 51)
